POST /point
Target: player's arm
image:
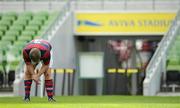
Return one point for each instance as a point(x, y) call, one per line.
point(43, 69)
point(27, 60)
point(45, 64)
point(30, 68)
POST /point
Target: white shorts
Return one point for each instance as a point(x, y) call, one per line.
point(51, 60)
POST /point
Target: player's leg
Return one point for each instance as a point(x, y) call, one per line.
point(49, 85)
point(27, 84)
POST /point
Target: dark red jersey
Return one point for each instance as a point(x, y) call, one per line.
point(44, 47)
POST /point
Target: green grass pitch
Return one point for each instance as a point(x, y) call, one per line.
point(93, 102)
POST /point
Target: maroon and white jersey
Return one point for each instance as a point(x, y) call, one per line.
point(44, 47)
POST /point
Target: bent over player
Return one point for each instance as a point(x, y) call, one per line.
point(37, 51)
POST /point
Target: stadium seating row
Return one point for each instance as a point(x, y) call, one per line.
point(174, 56)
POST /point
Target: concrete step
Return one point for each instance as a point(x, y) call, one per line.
point(170, 88)
point(6, 94)
point(6, 89)
point(168, 94)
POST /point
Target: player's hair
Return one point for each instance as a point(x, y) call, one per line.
point(35, 55)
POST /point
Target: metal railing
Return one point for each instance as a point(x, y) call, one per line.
point(62, 13)
point(23, 5)
point(126, 4)
point(31, 5)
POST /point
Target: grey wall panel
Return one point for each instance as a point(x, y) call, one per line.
point(63, 46)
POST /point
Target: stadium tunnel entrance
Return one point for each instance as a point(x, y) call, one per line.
point(124, 61)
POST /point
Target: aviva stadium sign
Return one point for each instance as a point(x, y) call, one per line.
point(152, 23)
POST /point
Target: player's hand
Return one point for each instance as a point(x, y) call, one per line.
point(36, 79)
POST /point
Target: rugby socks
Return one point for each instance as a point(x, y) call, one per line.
point(27, 84)
point(49, 88)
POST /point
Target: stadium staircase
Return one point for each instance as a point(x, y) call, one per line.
point(16, 29)
point(163, 69)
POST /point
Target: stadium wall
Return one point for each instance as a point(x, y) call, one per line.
point(35, 6)
point(139, 5)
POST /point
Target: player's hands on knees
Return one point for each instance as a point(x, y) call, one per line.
point(35, 78)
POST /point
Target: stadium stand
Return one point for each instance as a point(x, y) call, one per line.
point(16, 29)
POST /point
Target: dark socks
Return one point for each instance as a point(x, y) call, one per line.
point(49, 88)
point(27, 84)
